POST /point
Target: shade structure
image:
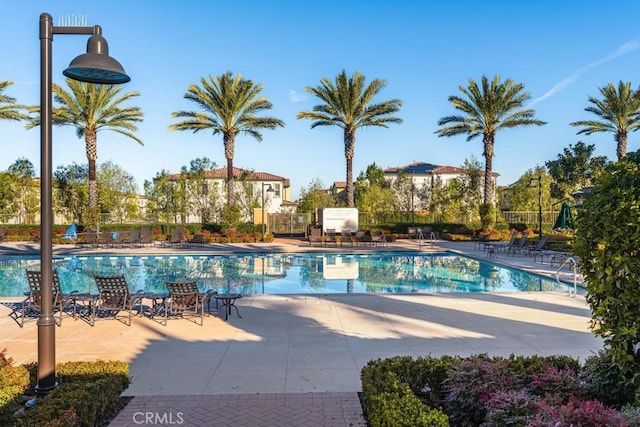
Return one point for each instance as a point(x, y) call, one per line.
point(565, 219)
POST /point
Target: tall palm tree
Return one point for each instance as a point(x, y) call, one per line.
point(9, 110)
point(91, 108)
point(485, 111)
point(230, 106)
point(348, 104)
point(619, 112)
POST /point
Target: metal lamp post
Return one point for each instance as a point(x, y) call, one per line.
point(269, 190)
point(532, 185)
point(95, 66)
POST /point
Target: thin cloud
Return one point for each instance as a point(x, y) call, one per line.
point(624, 49)
point(295, 96)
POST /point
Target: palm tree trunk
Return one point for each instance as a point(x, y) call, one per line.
point(229, 145)
point(621, 149)
point(488, 168)
point(349, 152)
point(92, 155)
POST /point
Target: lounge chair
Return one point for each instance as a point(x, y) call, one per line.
point(378, 238)
point(315, 236)
point(90, 238)
point(538, 247)
point(362, 238)
point(186, 300)
point(114, 297)
point(519, 246)
point(177, 238)
point(34, 299)
point(197, 239)
point(146, 236)
point(330, 237)
point(345, 237)
point(501, 246)
point(134, 238)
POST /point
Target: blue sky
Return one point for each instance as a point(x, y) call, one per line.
point(561, 51)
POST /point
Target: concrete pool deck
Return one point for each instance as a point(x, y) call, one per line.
point(296, 359)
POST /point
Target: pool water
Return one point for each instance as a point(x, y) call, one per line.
point(307, 273)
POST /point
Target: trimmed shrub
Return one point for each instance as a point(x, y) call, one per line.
point(87, 392)
point(14, 381)
point(510, 408)
point(606, 382)
point(590, 413)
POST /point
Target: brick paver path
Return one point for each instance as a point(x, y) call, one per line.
point(334, 409)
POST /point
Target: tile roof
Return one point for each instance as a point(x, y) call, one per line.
point(221, 173)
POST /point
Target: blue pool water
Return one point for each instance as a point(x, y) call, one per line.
point(307, 273)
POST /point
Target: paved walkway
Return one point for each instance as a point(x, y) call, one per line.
point(296, 359)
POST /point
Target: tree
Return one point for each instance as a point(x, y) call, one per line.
point(618, 111)
point(71, 195)
point(91, 108)
point(374, 194)
point(573, 169)
point(607, 243)
point(25, 192)
point(9, 110)
point(230, 106)
point(315, 197)
point(487, 110)
point(118, 192)
point(348, 105)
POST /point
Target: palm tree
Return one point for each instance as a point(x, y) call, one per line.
point(230, 105)
point(487, 110)
point(347, 104)
point(91, 108)
point(619, 111)
point(9, 110)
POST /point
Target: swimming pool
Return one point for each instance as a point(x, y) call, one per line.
point(304, 273)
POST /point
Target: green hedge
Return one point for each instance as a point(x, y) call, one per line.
point(87, 393)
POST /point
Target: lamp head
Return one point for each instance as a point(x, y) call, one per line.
point(96, 66)
point(269, 189)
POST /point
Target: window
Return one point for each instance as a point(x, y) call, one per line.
point(276, 189)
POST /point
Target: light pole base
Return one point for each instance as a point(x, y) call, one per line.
point(40, 393)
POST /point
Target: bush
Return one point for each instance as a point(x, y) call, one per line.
point(14, 381)
point(590, 413)
point(606, 382)
point(87, 392)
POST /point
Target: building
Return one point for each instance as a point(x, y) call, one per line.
point(427, 175)
point(249, 186)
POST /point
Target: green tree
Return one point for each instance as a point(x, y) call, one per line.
point(607, 236)
point(25, 192)
point(522, 197)
point(348, 105)
point(575, 168)
point(486, 110)
point(230, 106)
point(618, 112)
point(374, 194)
point(71, 191)
point(118, 192)
point(315, 197)
point(9, 109)
point(91, 108)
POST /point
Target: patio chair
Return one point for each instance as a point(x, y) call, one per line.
point(177, 237)
point(330, 237)
point(134, 238)
point(362, 238)
point(345, 237)
point(501, 246)
point(198, 239)
point(538, 247)
point(114, 297)
point(90, 238)
point(186, 300)
point(33, 302)
point(146, 236)
point(378, 238)
point(315, 236)
point(519, 246)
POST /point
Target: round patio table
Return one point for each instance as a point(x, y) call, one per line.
point(228, 301)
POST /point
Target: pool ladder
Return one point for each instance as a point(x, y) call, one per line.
point(422, 241)
point(574, 264)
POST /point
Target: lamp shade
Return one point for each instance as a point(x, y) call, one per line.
point(96, 66)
